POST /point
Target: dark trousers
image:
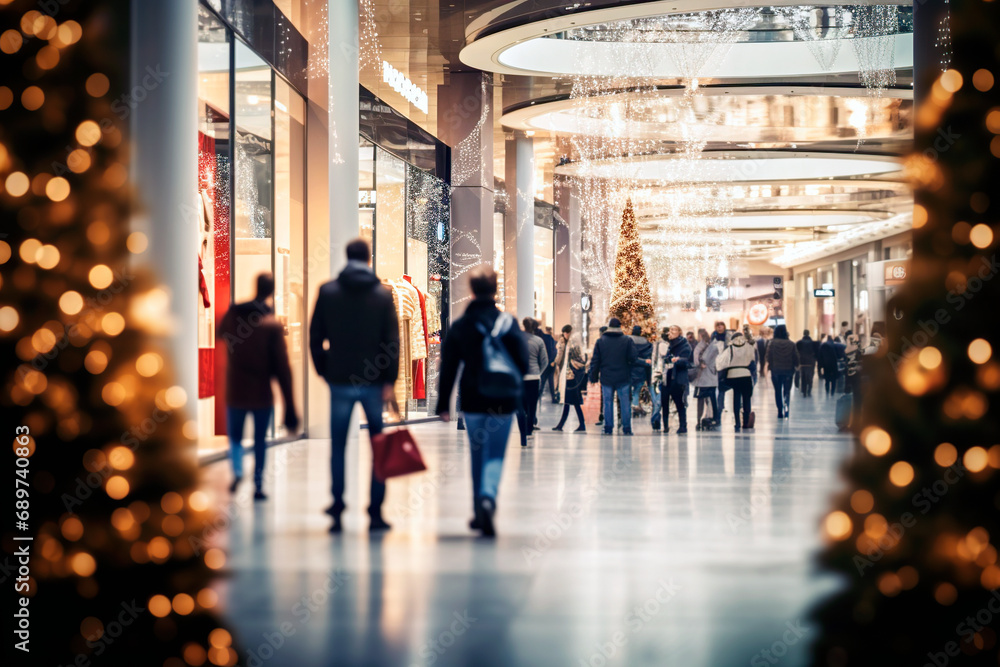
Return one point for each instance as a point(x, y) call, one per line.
point(676, 393)
point(830, 380)
point(342, 400)
point(724, 386)
point(529, 408)
point(565, 415)
point(548, 379)
point(712, 398)
point(782, 381)
point(742, 393)
point(806, 372)
point(236, 419)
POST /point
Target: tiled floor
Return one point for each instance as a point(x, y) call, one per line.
point(652, 550)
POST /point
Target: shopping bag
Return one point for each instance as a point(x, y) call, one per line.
point(395, 453)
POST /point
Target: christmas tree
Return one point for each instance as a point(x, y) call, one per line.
point(631, 300)
point(107, 503)
point(912, 538)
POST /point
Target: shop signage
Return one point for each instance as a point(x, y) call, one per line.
point(402, 85)
point(824, 293)
point(758, 314)
point(895, 273)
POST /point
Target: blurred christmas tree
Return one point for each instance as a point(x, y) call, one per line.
point(106, 474)
point(913, 536)
point(631, 301)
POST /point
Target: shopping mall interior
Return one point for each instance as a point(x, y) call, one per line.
point(709, 177)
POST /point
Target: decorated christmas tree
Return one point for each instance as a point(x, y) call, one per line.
point(915, 536)
point(631, 300)
point(107, 503)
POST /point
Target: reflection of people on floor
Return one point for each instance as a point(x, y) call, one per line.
point(255, 343)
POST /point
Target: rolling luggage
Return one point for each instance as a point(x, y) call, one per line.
point(842, 414)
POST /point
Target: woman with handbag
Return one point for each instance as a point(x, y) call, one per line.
point(706, 382)
point(495, 354)
point(570, 366)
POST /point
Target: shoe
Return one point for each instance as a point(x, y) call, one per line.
point(378, 524)
point(474, 524)
point(656, 429)
point(580, 429)
point(737, 428)
point(557, 428)
point(599, 422)
point(259, 495)
point(626, 432)
point(607, 433)
point(486, 510)
point(682, 430)
point(460, 424)
point(236, 483)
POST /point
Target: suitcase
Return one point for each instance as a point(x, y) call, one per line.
point(843, 412)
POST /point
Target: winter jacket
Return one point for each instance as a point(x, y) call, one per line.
point(644, 349)
point(550, 345)
point(614, 356)
point(538, 358)
point(670, 373)
point(808, 351)
point(706, 353)
point(827, 357)
point(356, 315)
point(464, 344)
point(782, 356)
point(255, 343)
point(737, 357)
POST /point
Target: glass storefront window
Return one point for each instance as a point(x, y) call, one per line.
point(544, 266)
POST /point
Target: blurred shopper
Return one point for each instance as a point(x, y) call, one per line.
point(844, 329)
point(827, 359)
point(840, 347)
point(722, 336)
point(706, 381)
point(670, 371)
point(354, 340)
point(489, 399)
point(642, 370)
point(782, 359)
point(600, 416)
point(808, 351)
point(548, 374)
point(255, 342)
point(765, 334)
point(735, 362)
point(691, 339)
point(538, 359)
point(852, 374)
point(570, 365)
point(614, 356)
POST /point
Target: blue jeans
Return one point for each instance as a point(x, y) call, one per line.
point(654, 392)
point(342, 400)
point(636, 392)
point(236, 419)
point(488, 435)
point(608, 395)
point(782, 389)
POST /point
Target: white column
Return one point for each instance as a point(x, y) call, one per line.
point(344, 129)
point(163, 123)
point(523, 219)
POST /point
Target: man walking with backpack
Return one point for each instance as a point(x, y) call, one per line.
point(495, 354)
point(614, 356)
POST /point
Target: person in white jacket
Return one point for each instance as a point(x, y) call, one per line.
point(735, 360)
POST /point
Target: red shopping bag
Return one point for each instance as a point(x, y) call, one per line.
point(395, 453)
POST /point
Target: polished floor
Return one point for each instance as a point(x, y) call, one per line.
point(688, 550)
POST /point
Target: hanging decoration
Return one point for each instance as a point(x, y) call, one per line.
point(875, 29)
point(823, 29)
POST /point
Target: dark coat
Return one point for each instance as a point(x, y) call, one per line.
point(356, 315)
point(464, 344)
point(827, 357)
point(644, 349)
point(614, 356)
point(808, 351)
point(782, 356)
point(678, 375)
point(255, 343)
point(550, 345)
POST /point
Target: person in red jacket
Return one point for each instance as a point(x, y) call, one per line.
point(255, 343)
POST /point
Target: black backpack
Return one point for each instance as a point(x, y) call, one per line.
point(500, 376)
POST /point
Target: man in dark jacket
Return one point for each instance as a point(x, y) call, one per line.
point(808, 351)
point(675, 377)
point(487, 418)
point(643, 370)
point(781, 361)
point(827, 359)
point(255, 343)
point(356, 319)
point(549, 372)
point(614, 356)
